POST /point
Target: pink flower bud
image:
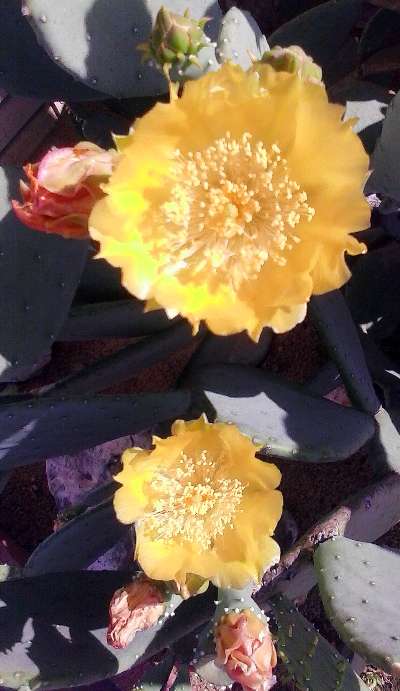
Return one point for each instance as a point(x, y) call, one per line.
point(63, 188)
point(246, 651)
point(135, 607)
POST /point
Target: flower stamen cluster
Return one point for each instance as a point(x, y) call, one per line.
point(204, 507)
point(192, 503)
point(232, 208)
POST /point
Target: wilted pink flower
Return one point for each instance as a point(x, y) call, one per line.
point(63, 188)
point(246, 651)
point(135, 607)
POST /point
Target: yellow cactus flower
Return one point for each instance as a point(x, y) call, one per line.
point(203, 505)
point(234, 203)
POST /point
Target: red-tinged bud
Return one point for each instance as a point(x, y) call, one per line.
point(63, 188)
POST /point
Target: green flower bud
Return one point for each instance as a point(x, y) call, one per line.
point(175, 39)
point(294, 60)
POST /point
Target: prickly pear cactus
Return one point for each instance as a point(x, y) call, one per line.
point(38, 279)
point(240, 39)
point(97, 41)
point(79, 542)
point(53, 615)
point(27, 426)
point(53, 630)
point(360, 588)
point(277, 414)
point(312, 663)
point(25, 67)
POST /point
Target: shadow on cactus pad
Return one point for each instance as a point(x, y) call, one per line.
point(53, 629)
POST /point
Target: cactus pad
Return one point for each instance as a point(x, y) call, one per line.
point(333, 321)
point(26, 69)
point(38, 278)
point(240, 39)
point(277, 414)
point(360, 589)
point(309, 659)
point(53, 630)
point(96, 40)
point(79, 542)
point(37, 428)
point(112, 319)
point(320, 31)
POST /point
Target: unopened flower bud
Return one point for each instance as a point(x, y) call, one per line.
point(63, 187)
point(135, 607)
point(293, 59)
point(245, 650)
point(175, 39)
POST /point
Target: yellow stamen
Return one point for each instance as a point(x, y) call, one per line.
point(193, 502)
point(232, 207)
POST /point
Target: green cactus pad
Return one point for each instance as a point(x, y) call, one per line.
point(277, 414)
point(332, 319)
point(235, 349)
point(114, 319)
point(373, 291)
point(321, 31)
point(384, 452)
point(96, 496)
point(240, 38)
point(78, 543)
point(382, 31)
point(26, 69)
point(360, 589)
point(312, 663)
point(100, 282)
point(325, 380)
point(53, 630)
point(127, 362)
point(365, 101)
point(38, 428)
point(39, 274)
point(183, 680)
point(96, 40)
point(384, 178)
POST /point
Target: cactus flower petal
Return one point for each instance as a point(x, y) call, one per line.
point(246, 651)
point(204, 506)
point(243, 205)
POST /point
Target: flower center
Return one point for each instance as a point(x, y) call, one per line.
point(232, 207)
point(192, 502)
